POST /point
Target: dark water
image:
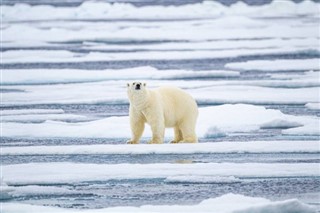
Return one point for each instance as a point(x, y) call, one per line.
point(102, 194)
point(168, 158)
point(157, 192)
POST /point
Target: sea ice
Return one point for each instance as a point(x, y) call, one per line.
point(227, 118)
point(203, 10)
point(205, 92)
point(64, 172)
point(58, 56)
point(315, 106)
point(50, 76)
point(201, 148)
point(277, 65)
point(228, 203)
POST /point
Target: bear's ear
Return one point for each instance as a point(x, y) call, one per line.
point(144, 84)
point(128, 85)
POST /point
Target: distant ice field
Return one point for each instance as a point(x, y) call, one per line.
point(252, 68)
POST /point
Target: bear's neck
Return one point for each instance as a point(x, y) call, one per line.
point(139, 101)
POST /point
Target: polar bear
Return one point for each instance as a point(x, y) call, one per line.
point(160, 108)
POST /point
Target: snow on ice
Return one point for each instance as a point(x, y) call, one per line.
point(218, 147)
point(226, 118)
point(228, 203)
point(206, 9)
point(64, 172)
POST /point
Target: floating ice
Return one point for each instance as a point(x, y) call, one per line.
point(39, 115)
point(278, 123)
point(206, 9)
point(214, 132)
point(35, 190)
point(205, 92)
point(49, 76)
point(31, 111)
point(228, 203)
point(218, 147)
point(255, 94)
point(315, 106)
point(310, 129)
point(58, 56)
point(44, 117)
point(227, 118)
point(55, 76)
point(277, 65)
point(5, 190)
point(207, 45)
point(56, 173)
point(201, 179)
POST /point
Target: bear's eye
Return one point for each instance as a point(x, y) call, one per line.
point(134, 83)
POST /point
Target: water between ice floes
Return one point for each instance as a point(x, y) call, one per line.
point(154, 191)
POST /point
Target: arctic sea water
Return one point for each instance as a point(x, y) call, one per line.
point(252, 67)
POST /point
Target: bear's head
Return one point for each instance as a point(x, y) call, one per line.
point(136, 86)
point(137, 92)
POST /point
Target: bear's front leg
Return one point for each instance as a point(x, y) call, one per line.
point(157, 133)
point(137, 126)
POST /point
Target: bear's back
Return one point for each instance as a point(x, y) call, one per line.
point(177, 104)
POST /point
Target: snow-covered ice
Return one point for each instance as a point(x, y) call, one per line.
point(226, 118)
point(229, 203)
point(31, 112)
point(202, 179)
point(44, 117)
point(277, 65)
point(205, 92)
point(39, 115)
point(58, 56)
point(253, 70)
point(50, 76)
point(58, 173)
point(219, 147)
point(315, 106)
point(206, 9)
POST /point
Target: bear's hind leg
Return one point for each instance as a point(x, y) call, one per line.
point(177, 135)
point(189, 134)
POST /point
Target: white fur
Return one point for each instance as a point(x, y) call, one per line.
point(160, 108)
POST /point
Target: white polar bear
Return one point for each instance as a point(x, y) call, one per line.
point(160, 108)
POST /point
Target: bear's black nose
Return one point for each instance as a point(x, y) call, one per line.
point(138, 86)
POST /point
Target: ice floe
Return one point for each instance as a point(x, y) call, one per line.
point(44, 117)
point(50, 76)
point(311, 129)
point(255, 94)
point(5, 190)
point(35, 190)
point(170, 36)
point(225, 118)
point(147, 73)
point(315, 106)
point(205, 92)
point(206, 9)
point(201, 148)
point(207, 45)
point(278, 123)
point(55, 173)
point(31, 111)
point(228, 203)
point(202, 179)
point(277, 65)
point(39, 115)
point(58, 56)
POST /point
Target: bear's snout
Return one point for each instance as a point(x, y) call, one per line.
point(138, 86)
